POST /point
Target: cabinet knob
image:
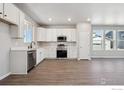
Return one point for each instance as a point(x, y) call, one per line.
point(0, 12)
point(5, 15)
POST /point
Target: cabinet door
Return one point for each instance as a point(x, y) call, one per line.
point(11, 13)
point(1, 10)
point(38, 34)
point(60, 32)
point(18, 31)
point(72, 51)
point(51, 51)
point(68, 34)
point(41, 34)
point(49, 35)
point(54, 35)
point(21, 24)
point(73, 35)
point(40, 55)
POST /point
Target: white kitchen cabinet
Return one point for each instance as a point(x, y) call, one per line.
point(18, 31)
point(61, 32)
point(18, 59)
point(51, 51)
point(40, 55)
point(54, 35)
point(73, 35)
point(41, 34)
point(21, 24)
point(51, 35)
point(69, 33)
point(11, 13)
point(72, 51)
point(1, 10)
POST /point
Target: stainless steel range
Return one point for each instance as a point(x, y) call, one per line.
point(61, 51)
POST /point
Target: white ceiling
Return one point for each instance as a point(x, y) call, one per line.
point(79, 12)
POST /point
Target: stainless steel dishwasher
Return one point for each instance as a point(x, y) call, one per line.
point(31, 59)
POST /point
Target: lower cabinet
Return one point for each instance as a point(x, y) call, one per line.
point(51, 51)
point(72, 51)
point(18, 62)
point(40, 55)
point(22, 61)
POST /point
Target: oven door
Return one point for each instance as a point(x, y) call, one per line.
point(61, 53)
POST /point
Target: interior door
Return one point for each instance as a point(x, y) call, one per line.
point(84, 45)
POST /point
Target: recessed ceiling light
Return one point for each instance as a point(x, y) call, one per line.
point(50, 19)
point(88, 19)
point(69, 19)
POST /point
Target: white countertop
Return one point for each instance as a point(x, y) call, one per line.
point(21, 49)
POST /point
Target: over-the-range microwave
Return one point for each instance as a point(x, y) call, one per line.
point(61, 38)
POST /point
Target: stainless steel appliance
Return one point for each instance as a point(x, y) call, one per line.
point(31, 59)
point(61, 38)
point(61, 51)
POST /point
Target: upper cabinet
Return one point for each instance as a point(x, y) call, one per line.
point(18, 31)
point(11, 13)
point(69, 33)
point(41, 34)
point(1, 10)
point(21, 24)
point(50, 35)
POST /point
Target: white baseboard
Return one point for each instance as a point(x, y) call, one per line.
point(107, 57)
point(2, 77)
point(62, 58)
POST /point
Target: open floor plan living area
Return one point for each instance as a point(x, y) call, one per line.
point(61, 44)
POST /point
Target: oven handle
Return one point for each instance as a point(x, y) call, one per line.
point(30, 52)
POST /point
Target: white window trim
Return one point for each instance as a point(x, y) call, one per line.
point(115, 41)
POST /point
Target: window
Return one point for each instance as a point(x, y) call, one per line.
point(28, 32)
point(109, 39)
point(97, 40)
point(120, 40)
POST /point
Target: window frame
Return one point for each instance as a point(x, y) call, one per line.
point(118, 40)
point(115, 31)
point(114, 39)
point(27, 23)
point(102, 48)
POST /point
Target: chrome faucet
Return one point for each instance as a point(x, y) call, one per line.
point(31, 44)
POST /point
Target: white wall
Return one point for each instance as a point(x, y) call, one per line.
point(5, 44)
point(105, 53)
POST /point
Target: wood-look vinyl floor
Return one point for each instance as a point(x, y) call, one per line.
point(72, 72)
